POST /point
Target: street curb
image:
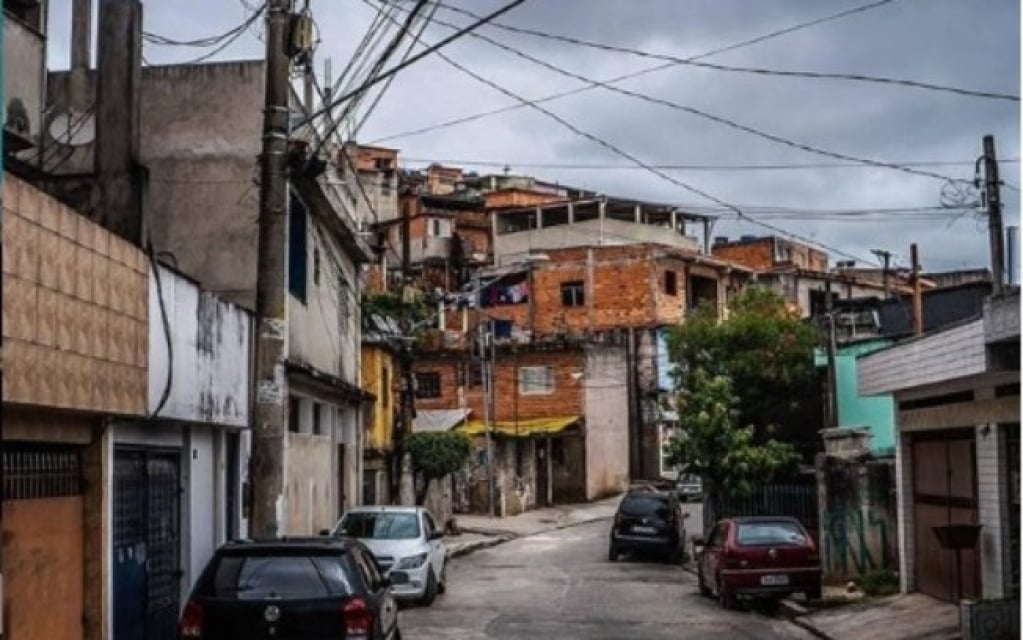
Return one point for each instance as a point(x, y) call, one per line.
point(476, 546)
point(793, 612)
point(502, 536)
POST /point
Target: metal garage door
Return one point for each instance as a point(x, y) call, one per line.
point(147, 544)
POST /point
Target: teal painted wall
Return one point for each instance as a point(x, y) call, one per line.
point(877, 413)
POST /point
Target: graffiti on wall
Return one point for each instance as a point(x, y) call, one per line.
point(858, 525)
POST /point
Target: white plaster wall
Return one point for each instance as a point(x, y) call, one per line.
point(202, 501)
point(324, 330)
point(607, 421)
point(210, 340)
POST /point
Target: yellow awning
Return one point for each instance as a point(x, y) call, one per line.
point(522, 428)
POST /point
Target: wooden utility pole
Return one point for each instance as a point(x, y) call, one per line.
point(918, 307)
point(993, 189)
point(270, 416)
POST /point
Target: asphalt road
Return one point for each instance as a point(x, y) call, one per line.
point(561, 585)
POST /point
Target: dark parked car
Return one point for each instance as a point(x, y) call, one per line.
point(301, 589)
point(649, 521)
point(765, 557)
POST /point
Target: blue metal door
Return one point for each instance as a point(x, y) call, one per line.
point(147, 542)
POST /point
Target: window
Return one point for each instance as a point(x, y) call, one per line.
point(297, 248)
point(670, 283)
point(475, 374)
point(440, 228)
point(294, 414)
point(536, 380)
point(428, 385)
point(319, 419)
point(316, 265)
point(770, 533)
point(646, 506)
point(284, 577)
point(385, 388)
point(572, 294)
point(380, 526)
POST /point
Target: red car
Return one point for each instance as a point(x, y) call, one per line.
point(763, 557)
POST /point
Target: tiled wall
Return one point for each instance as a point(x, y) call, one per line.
point(75, 310)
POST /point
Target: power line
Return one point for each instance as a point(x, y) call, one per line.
point(694, 167)
point(628, 156)
point(642, 72)
point(722, 67)
point(208, 41)
point(705, 115)
point(414, 59)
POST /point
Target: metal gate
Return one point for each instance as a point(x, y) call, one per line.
point(147, 544)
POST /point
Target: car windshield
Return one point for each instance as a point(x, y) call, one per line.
point(380, 526)
point(770, 533)
point(282, 577)
point(649, 505)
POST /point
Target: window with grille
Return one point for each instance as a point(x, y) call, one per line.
point(33, 471)
point(536, 380)
point(573, 294)
point(320, 417)
point(428, 385)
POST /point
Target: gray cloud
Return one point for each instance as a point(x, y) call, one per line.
point(969, 44)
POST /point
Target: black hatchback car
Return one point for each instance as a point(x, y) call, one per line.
point(649, 521)
point(295, 588)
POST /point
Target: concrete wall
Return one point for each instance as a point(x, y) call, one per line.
point(607, 422)
point(210, 340)
point(323, 331)
point(510, 247)
point(378, 367)
point(200, 138)
point(952, 353)
point(24, 73)
point(75, 323)
point(203, 502)
point(309, 498)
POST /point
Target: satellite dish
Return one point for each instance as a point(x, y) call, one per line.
point(73, 128)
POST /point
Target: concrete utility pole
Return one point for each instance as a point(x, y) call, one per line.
point(886, 256)
point(407, 404)
point(270, 416)
point(993, 189)
point(832, 349)
point(918, 306)
point(485, 368)
point(118, 78)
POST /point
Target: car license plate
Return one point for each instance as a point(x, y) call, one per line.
point(649, 530)
point(774, 580)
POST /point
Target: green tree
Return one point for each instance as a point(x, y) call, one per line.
point(711, 444)
point(766, 351)
point(436, 454)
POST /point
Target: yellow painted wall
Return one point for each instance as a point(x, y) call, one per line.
point(378, 377)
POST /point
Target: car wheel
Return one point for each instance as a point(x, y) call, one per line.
point(442, 587)
point(612, 552)
point(704, 589)
point(431, 589)
point(725, 598)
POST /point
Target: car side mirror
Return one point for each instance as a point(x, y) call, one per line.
point(436, 534)
point(385, 583)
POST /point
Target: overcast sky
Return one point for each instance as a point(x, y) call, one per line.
point(970, 44)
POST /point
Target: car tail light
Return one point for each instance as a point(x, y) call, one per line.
point(191, 620)
point(358, 618)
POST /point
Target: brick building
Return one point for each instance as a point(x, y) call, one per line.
point(559, 419)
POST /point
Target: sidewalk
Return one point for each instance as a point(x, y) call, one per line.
point(901, 617)
point(483, 531)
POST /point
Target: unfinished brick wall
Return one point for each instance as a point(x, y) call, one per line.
point(458, 391)
point(508, 198)
point(756, 254)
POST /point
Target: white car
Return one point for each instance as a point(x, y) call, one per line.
point(405, 541)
